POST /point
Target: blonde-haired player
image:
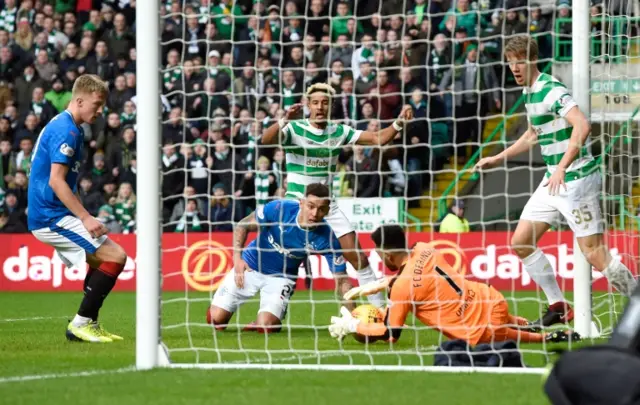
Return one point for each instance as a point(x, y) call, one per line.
point(571, 187)
point(56, 215)
point(312, 147)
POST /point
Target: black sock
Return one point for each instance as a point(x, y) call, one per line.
point(88, 277)
point(96, 290)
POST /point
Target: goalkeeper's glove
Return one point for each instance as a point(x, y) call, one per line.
point(343, 325)
point(368, 289)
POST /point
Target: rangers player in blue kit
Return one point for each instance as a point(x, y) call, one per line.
point(56, 215)
point(288, 232)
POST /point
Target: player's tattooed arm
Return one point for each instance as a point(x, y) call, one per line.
point(241, 231)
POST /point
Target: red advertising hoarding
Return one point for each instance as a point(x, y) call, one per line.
point(197, 262)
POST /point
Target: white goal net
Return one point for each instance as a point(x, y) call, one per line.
point(230, 69)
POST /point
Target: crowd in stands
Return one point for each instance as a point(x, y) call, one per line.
point(230, 69)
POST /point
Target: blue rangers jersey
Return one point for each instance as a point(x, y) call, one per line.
point(60, 141)
point(282, 244)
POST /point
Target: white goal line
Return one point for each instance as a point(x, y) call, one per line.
point(353, 367)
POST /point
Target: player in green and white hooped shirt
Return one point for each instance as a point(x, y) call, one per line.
point(571, 187)
point(312, 147)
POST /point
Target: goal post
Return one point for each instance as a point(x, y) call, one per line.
point(148, 213)
point(581, 68)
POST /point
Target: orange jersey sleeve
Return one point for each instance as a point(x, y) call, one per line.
point(442, 298)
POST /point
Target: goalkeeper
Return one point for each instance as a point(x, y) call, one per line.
point(312, 148)
point(571, 187)
point(439, 297)
point(288, 231)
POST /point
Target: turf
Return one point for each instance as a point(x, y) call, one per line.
point(32, 344)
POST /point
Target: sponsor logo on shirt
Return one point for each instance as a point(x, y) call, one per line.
point(282, 250)
point(317, 163)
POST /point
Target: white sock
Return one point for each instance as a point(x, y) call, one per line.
point(79, 321)
point(540, 270)
point(366, 276)
point(620, 277)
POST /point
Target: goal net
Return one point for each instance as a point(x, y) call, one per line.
point(231, 69)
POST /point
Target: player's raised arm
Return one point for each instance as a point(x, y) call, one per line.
point(276, 134)
point(385, 136)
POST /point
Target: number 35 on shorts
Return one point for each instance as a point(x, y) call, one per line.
point(582, 215)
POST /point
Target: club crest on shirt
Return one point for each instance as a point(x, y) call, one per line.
point(67, 150)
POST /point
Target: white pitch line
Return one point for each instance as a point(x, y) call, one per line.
point(35, 318)
point(276, 359)
point(23, 378)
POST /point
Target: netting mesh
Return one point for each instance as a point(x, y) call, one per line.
point(231, 69)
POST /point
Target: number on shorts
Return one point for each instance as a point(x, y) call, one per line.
point(582, 215)
point(452, 283)
point(287, 291)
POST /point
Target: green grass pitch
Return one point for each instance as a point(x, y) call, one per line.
point(32, 345)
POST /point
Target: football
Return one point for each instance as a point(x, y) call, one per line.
point(367, 314)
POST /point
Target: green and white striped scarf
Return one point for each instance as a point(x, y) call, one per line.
point(262, 188)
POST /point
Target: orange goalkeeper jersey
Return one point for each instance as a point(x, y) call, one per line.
point(440, 297)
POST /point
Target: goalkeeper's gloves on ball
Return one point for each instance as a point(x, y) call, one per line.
point(562, 336)
point(368, 289)
point(343, 325)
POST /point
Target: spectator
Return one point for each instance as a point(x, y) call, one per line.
point(339, 24)
point(198, 165)
point(23, 158)
point(385, 97)
point(7, 163)
point(473, 79)
point(58, 96)
point(191, 220)
point(91, 199)
point(513, 24)
point(223, 210)
point(454, 221)
point(40, 107)
point(364, 179)
point(25, 85)
point(13, 209)
point(99, 174)
point(10, 223)
point(19, 187)
point(105, 215)
point(227, 168)
point(125, 208)
point(119, 95)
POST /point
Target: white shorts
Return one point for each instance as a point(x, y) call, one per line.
point(579, 205)
point(339, 223)
point(275, 293)
point(71, 240)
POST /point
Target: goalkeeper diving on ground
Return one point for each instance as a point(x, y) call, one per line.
point(288, 231)
point(438, 296)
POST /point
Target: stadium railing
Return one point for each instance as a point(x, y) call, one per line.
point(614, 36)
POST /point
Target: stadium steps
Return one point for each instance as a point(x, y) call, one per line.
point(428, 212)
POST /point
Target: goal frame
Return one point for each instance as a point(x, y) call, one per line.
point(150, 352)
